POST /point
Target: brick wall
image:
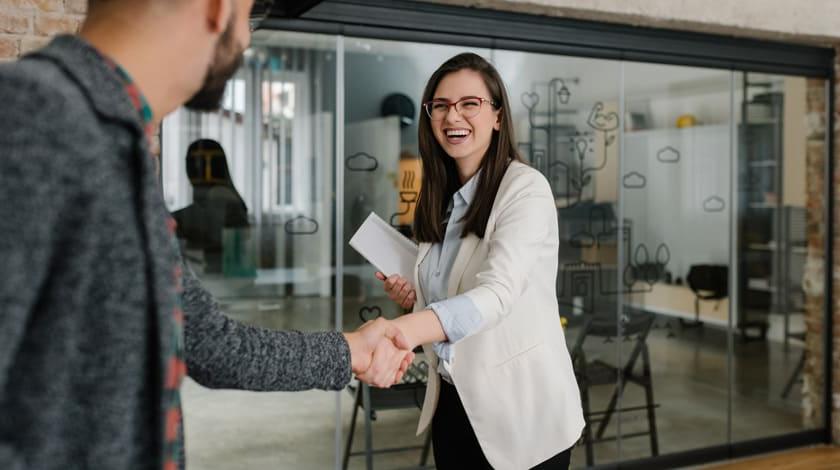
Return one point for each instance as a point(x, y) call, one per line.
point(813, 282)
point(29, 24)
point(836, 261)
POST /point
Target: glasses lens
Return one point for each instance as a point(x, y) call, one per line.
point(437, 109)
point(469, 108)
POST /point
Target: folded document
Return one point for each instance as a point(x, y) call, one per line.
point(386, 248)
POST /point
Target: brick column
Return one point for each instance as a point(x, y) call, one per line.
point(835, 179)
point(26, 25)
point(813, 282)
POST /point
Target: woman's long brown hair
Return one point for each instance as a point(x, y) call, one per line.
point(440, 174)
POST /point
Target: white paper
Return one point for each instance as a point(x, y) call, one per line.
point(386, 248)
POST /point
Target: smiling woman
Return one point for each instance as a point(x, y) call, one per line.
point(484, 285)
point(456, 132)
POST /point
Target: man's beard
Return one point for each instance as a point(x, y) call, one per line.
point(226, 61)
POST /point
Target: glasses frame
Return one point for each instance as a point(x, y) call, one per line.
point(427, 106)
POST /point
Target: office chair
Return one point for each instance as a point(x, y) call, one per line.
point(598, 372)
point(708, 282)
point(407, 394)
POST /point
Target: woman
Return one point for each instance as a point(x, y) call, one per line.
point(504, 395)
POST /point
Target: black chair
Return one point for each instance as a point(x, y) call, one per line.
point(708, 282)
point(598, 372)
point(797, 372)
point(407, 394)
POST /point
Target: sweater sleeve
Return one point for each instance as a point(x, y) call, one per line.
point(224, 353)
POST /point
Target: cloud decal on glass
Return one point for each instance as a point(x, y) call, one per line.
point(634, 180)
point(361, 161)
point(714, 204)
point(668, 155)
point(301, 225)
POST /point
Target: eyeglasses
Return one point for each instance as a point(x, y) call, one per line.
point(468, 106)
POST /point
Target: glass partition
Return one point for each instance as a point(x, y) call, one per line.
point(691, 256)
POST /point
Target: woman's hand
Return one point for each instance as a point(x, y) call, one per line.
point(398, 289)
point(380, 353)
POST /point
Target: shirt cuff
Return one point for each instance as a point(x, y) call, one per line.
point(443, 351)
point(458, 316)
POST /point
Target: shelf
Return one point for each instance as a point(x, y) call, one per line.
point(763, 164)
point(760, 284)
point(799, 250)
point(762, 122)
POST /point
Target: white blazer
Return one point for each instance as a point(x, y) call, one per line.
point(515, 375)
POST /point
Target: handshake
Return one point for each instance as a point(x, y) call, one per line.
point(380, 353)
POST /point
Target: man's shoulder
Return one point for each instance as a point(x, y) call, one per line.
point(46, 114)
point(32, 87)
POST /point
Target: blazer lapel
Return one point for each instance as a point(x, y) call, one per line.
point(422, 251)
point(468, 246)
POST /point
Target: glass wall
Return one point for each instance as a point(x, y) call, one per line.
point(678, 148)
point(262, 240)
point(691, 241)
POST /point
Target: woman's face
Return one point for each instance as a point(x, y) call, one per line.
point(465, 139)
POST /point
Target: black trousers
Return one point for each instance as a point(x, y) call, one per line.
point(455, 444)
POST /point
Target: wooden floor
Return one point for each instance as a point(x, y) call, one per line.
point(812, 458)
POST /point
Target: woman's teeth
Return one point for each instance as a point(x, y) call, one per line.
point(457, 133)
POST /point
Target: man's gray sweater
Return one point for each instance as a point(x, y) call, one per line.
point(86, 282)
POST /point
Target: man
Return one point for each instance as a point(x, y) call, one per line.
point(99, 319)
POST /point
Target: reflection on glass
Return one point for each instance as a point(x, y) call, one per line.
point(648, 282)
point(676, 194)
point(567, 115)
point(781, 148)
point(255, 216)
point(382, 173)
point(216, 205)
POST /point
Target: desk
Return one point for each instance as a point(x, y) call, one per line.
point(678, 301)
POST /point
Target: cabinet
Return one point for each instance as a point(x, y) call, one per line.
point(772, 234)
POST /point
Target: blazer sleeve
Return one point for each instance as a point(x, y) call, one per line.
point(224, 353)
point(525, 231)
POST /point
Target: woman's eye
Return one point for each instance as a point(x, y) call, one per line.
point(439, 106)
point(470, 104)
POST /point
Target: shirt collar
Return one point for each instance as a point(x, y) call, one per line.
point(137, 98)
point(467, 192)
point(100, 84)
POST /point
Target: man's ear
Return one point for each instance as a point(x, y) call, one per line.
point(218, 15)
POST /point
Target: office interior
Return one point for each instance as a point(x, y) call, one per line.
point(686, 204)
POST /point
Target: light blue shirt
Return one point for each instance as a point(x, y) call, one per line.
point(458, 315)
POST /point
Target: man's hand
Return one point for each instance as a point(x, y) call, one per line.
point(380, 353)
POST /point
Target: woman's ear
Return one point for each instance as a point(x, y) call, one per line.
point(218, 15)
point(498, 123)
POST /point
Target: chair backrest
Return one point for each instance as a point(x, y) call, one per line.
point(711, 279)
point(634, 322)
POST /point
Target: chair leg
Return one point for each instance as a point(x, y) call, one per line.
point(609, 411)
point(587, 430)
point(368, 426)
point(424, 457)
point(356, 403)
point(651, 405)
point(794, 376)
